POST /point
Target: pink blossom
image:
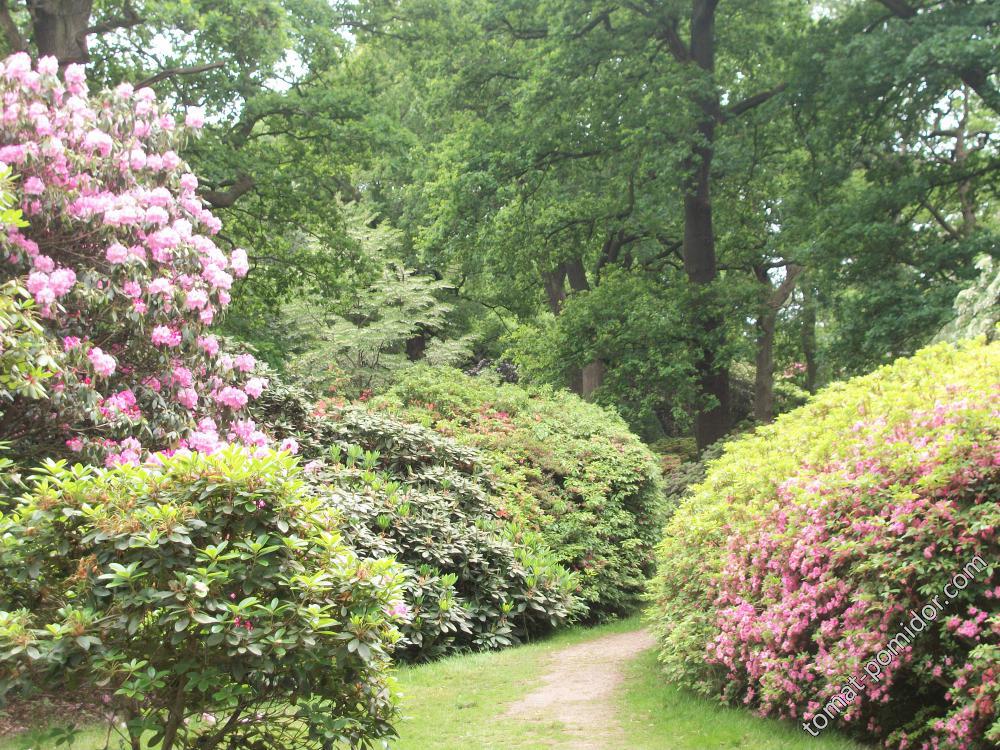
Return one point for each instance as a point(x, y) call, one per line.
point(43, 263)
point(187, 397)
point(244, 362)
point(33, 186)
point(239, 262)
point(48, 65)
point(195, 118)
point(209, 344)
point(232, 397)
point(70, 342)
point(290, 445)
point(166, 336)
point(196, 299)
point(255, 386)
point(103, 364)
point(116, 253)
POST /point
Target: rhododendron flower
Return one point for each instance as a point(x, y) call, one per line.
point(103, 364)
point(232, 397)
point(34, 186)
point(209, 344)
point(99, 141)
point(48, 65)
point(187, 397)
point(43, 263)
point(101, 185)
point(196, 299)
point(166, 336)
point(239, 262)
point(195, 118)
point(244, 362)
point(75, 75)
point(290, 445)
point(255, 386)
point(160, 285)
point(116, 253)
point(399, 610)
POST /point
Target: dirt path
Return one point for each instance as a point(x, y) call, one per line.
point(578, 690)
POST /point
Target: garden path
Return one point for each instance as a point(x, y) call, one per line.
point(578, 690)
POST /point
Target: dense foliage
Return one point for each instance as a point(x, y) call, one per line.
point(566, 468)
point(215, 600)
point(116, 250)
point(813, 541)
point(474, 578)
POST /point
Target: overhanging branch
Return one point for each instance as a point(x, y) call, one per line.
point(745, 105)
point(166, 73)
point(226, 198)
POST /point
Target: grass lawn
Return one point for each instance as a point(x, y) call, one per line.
point(459, 704)
point(657, 716)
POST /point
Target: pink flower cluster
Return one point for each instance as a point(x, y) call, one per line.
point(119, 257)
point(854, 547)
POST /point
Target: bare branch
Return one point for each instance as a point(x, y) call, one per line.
point(750, 102)
point(939, 218)
point(126, 20)
point(675, 44)
point(171, 72)
point(226, 198)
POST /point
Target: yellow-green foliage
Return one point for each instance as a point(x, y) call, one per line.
point(811, 542)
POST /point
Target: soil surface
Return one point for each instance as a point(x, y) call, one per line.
point(578, 690)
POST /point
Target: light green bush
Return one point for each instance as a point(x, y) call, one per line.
point(214, 599)
point(809, 541)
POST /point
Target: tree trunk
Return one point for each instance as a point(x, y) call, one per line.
point(808, 336)
point(767, 321)
point(591, 378)
point(60, 28)
point(416, 346)
point(577, 275)
point(711, 422)
point(555, 287)
point(763, 386)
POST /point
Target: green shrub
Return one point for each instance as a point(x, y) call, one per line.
point(810, 543)
point(475, 578)
point(567, 468)
point(212, 596)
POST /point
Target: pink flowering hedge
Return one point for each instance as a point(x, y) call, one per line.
point(119, 257)
point(811, 542)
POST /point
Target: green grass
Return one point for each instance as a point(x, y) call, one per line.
point(659, 716)
point(459, 704)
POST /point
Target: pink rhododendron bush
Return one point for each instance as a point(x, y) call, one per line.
point(813, 543)
point(119, 258)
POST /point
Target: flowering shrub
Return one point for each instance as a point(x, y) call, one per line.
point(565, 468)
point(117, 254)
point(810, 543)
point(212, 596)
point(474, 580)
